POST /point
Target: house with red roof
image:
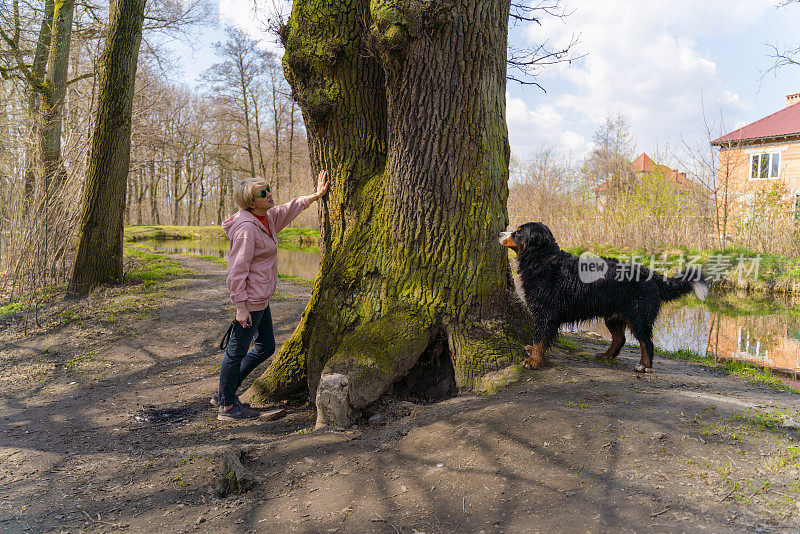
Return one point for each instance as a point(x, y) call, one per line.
point(643, 166)
point(758, 156)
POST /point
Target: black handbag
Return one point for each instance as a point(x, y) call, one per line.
point(223, 343)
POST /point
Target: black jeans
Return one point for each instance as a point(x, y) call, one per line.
point(238, 362)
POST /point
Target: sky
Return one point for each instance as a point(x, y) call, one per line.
point(663, 64)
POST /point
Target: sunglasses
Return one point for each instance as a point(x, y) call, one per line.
point(263, 192)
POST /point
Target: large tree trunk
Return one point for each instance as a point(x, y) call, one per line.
point(99, 256)
point(412, 130)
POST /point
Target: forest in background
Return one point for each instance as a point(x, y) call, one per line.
point(189, 144)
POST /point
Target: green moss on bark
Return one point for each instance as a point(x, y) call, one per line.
point(378, 353)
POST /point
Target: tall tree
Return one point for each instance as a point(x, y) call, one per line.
point(407, 114)
point(99, 254)
point(233, 80)
point(613, 151)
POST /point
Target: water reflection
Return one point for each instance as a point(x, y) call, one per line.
point(302, 262)
point(771, 340)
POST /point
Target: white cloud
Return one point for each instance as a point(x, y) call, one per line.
point(530, 129)
point(644, 60)
point(253, 18)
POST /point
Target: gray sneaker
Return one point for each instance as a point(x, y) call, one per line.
point(238, 412)
point(215, 401)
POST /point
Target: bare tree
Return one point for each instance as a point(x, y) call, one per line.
point(609, 161)
point(233, 78)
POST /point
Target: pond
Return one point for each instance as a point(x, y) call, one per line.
point(763, 331)
point(302, 262)
point(760, 330)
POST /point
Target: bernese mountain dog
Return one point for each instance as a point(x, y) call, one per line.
point(561, 288)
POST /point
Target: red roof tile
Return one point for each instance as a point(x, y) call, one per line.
point(779, 124)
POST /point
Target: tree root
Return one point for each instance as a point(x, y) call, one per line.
point(368, 362)
point(235, 478)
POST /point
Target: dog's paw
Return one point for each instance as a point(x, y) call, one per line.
point(602, 356)
point(529, 363)
point(642, 369)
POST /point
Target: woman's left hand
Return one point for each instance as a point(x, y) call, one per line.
point(322, 184)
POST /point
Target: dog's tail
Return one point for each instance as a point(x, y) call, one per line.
point(682, 284)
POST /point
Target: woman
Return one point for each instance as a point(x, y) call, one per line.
point(252, 277)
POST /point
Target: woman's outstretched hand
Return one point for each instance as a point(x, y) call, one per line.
point(322, 185)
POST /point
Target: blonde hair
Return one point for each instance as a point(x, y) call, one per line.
point(243, 192)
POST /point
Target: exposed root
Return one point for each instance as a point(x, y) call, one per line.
point(235, 478)
point(368, 362)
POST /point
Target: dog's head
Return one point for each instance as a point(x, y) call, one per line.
point(529, 237)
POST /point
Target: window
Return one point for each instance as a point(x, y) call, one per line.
point(763, 166)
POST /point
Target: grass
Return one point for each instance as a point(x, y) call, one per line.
point(299, 280)
point(215, 259)
point(567, 343)
point(30, 301)
point(14, 308)
point(145, 267)
point(148, 278)
point(163, 232)
point(760, 420)
point(754, 374)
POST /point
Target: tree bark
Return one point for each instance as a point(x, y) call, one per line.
point(291, 142)
point(34, 103)
point(99, 255)
point(52, 105)
point(140, 192)
point(222, 187)
point(153, 193)
point(407, 115)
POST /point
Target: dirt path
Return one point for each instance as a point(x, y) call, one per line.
point(106, 427)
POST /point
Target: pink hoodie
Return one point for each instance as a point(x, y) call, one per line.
point(252, 270)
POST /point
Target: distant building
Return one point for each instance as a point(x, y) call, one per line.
point(758, 156)
point(643, 166)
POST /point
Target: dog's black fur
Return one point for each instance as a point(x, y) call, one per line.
point(556, 295)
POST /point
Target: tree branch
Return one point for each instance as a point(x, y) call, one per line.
point(81, 77)
point(530, 62)
point(28, 76)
